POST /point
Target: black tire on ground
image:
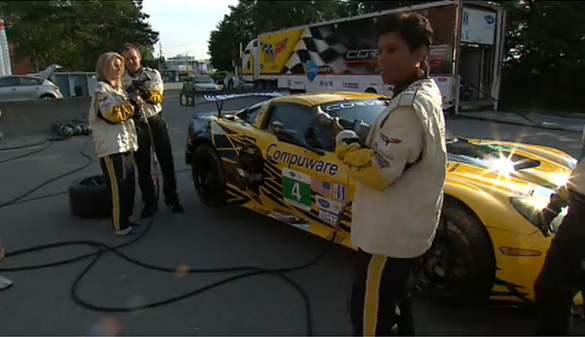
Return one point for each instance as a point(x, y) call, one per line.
point(460, 267)
point(208, 176)
point(371, 90)
point(47, 96)
point(89, 198)
point(182, 99)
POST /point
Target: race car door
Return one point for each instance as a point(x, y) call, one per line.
point(302, 180)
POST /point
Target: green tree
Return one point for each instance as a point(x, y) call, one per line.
point(359, 7)
point(75, 33)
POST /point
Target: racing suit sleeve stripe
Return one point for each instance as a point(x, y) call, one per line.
point(154, 96)
point(115, 192)
point(156, 89)
point(112, 111)
point(397, 143)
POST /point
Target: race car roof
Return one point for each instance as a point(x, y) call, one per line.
point(314, 99)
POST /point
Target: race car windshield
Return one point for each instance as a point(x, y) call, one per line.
point(365, 110)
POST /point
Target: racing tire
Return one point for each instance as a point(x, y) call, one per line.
point(89, 198)
point(460, 266)
point(183, 99)
point(208, 176)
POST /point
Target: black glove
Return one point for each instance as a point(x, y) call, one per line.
point(551, 211)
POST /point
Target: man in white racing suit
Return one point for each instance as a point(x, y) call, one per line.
point(400, 171)
point(152, 95)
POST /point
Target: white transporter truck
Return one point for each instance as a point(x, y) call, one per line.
point(341, 55)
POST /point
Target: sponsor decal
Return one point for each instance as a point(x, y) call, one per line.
point(311, 70)
point(489, 19)
point(380, 160)
point(390, 140)
point(351, 85)
point(352, 104)
point(303, 226)
point(328, 217)
point(292, 159)
point(328, 205)
point(321, 187)
point(362, 54)
point(280, 46)
point(339, 192)
point(296, 188)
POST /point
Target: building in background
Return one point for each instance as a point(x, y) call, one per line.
point(178, 68)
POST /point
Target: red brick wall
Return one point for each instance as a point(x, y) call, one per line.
point(22, 66)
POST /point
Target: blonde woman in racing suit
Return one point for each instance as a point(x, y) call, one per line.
point(400, 171)
point(114, 137)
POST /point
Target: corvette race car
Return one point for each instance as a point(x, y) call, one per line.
point(274, 158)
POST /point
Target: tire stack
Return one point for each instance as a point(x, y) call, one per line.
point(71, 128)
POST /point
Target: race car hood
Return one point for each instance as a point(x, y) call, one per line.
point(509, 167)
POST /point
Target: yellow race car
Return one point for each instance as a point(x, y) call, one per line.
point(272, 157)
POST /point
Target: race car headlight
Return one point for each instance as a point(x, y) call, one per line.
point(529, 207)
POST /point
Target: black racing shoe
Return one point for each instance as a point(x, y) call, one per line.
point(175, 205)
point(148, 211)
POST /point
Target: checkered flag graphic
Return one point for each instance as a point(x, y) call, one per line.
point(322, 46)
point(268, 51)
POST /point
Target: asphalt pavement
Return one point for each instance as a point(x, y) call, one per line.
point(39, 302)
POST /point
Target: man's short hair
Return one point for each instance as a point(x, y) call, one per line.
point(414, 28)
point(129, 46)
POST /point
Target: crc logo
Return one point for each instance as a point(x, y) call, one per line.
point(489, 19)
point(362, 54)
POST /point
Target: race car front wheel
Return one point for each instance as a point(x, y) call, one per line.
point(208, 176)
point(460, 266)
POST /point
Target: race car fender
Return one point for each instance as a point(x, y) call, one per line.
point(198, 132)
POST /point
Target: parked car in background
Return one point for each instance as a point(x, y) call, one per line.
point(22, 88)
point(200, 83)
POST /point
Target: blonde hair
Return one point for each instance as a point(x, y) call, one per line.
point(105, 65)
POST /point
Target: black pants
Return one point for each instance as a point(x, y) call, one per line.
point(380, 296)
point(561, 277)
point(119, 175)
point(164, 154)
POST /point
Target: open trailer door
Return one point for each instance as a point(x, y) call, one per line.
point(479, 55)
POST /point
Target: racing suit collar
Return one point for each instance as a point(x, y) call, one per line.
point(400, 87)
point(138, 72)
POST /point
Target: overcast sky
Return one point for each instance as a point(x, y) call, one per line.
point(184, 25)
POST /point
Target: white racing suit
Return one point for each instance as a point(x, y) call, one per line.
point(400, 174)
point(114, 136)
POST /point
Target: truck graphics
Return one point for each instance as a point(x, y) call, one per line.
point(342, 54)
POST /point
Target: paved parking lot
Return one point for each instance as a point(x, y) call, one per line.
point(39, 303)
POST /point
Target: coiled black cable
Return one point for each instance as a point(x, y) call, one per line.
point(249, 271)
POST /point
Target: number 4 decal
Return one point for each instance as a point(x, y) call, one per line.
point(296, 188)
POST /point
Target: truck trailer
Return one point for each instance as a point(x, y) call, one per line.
point(341, 55)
